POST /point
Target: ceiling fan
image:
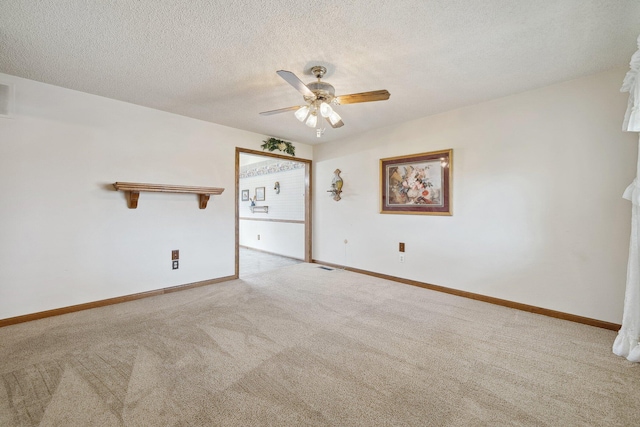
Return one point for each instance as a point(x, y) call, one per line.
point(319, 96)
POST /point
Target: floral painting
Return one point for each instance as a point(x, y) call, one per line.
point(417, 184)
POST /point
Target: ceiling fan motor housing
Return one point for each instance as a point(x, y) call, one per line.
point(323, 91)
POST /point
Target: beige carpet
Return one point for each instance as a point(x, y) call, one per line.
point(305, 346)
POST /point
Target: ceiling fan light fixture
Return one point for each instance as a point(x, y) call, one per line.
point(302, 113)
point(325, 110)
point(318, 97)
point(312, 120)
point(334, 117)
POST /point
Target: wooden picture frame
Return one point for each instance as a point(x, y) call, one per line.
point(418, 184)
point(245, 195)
point(259, 194)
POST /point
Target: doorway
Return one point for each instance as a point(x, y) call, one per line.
point(274, 212)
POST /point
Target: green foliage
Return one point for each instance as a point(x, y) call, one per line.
point(272, 144)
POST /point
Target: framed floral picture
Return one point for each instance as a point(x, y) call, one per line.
point(245, 195)
point(417, 184)
point(260, 194)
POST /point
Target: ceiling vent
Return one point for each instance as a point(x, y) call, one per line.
point(6, 100)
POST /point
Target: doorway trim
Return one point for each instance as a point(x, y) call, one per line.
point(307, 201)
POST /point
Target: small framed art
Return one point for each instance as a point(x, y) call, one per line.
point(245, 195)
point(260, 194)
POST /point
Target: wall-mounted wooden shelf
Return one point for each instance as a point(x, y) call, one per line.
point(263, 209)
point(133, 190)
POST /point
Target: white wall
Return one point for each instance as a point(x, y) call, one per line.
point(538, 216)
point(275, 237)
point(283, 238)
point(288, 204)
point(66, 237)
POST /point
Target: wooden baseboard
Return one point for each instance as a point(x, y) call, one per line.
point(484, 298)
point(110, 301)
point(465, 294)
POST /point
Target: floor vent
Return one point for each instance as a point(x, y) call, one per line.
point(326, 268)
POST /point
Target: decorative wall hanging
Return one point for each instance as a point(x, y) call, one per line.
point(259, 194)
point(259, 209)
point(273, 144)
point(268, 167)
point(336, 185)
point(245, 195)
point(417, 183)
point(276, 187)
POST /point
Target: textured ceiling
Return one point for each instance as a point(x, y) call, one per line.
point(217, 61)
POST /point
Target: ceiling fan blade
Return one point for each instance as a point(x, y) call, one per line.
point(337, 125)
point(376, 95)
point(294, 81)
point(281, 110)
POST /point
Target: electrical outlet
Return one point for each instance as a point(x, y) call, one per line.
point(258, 237)
point(401, 247)
point(401, 257)
point(175, 264)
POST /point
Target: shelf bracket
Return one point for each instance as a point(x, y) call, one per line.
point(204, 198)
point(133, 199)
